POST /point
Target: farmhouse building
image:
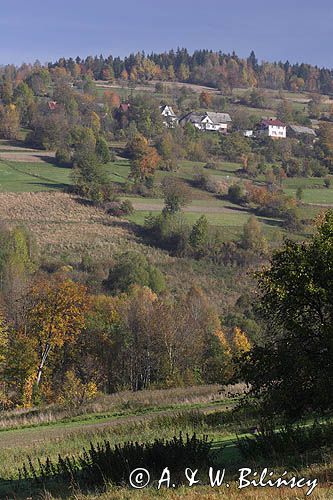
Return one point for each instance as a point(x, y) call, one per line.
point(169, 117)
point(52, 105)
point(209, 121)
point(272, 127)
point(124, 107)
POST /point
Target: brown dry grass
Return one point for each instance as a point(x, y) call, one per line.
point(158, 398)
point(66, 230)
point(205, 493)
point(63, 225)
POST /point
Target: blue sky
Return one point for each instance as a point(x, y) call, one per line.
point(47, 30)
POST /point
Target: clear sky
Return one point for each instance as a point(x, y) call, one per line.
point(284, 29)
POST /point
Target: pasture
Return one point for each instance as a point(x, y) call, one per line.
point(142, 417)
point(25, 170)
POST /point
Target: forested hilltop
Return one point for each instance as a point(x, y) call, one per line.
point(205, 67)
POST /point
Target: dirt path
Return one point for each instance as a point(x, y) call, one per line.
point(138, 205)
point(325, 205)
point(25, 437)
point(150, 87)
point(27, 156)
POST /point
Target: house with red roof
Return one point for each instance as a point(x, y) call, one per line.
point(272, 127)
point(52, 105)
point(124, 107)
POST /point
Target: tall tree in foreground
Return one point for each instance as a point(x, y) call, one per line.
point(292, 373)
point(56, 316)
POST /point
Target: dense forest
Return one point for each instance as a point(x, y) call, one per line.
point(206, 67)
point(216, 69)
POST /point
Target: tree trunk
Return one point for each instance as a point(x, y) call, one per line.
point(42, 363)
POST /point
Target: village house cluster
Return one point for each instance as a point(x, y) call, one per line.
point(221, 122)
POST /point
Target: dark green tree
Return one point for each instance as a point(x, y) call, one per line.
point(132, 268)
point(102, 150)
point(199, 236)
point(176, 194)
point(291, 374)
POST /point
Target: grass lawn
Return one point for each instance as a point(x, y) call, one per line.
point(303, 182)
point(25, 177)
point(319, 196)
point(18, 176)
point(234, 220)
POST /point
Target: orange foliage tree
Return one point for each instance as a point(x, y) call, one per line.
point(205, 99)
point(144, 158)
point(111, 99)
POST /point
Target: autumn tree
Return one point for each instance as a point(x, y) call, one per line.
point(234, 146)
point(285, 111)
point(144, 158)
point(111, 99)
point(142, 351)
point(252, 237)
point(324, 146)
point(9, 122)
point(241, 343)
point(205, 100)
point(56, 316)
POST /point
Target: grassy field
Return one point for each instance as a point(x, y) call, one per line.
point(19, 177)
point(25, 170)
point(143, 417)
point(315, 196)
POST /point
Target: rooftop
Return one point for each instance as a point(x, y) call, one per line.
point(273, 121)
point(218, 117)
point(300, 129)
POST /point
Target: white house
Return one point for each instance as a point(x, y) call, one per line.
point(274, 128)
point(209, 121)
point(169, 117)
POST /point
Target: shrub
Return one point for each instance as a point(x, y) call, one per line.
point(74, 392)
point(176, 194)
point(169, 165)
point(236, 193)
point(169, 231)
point(132, 268)
point(102, 463)
point(63, 157)
point(211, 165)
point(120, 208)
point(289, 441)
point(201, 179)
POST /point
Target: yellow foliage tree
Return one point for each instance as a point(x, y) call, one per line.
point(240, 341)
point(9, 122)
point(95, 122)
point(75, 392)
point(56, 316)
